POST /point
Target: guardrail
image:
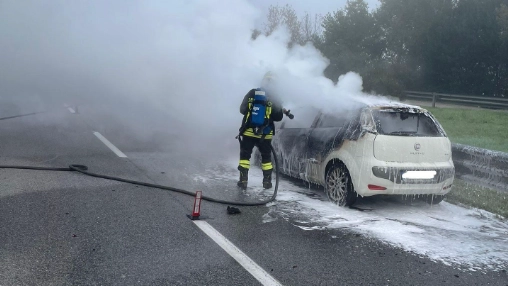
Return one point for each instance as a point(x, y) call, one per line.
point(481, 166)
point(467, 100)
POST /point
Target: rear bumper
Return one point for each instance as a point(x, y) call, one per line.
point(386, 178)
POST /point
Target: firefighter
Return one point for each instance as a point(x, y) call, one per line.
point(260, 110)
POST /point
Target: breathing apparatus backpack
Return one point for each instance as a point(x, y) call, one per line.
point(258, 116)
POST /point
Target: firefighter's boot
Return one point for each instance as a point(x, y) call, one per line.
point(267, 179)
point(244, 177)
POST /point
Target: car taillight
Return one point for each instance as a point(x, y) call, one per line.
point(376, 188)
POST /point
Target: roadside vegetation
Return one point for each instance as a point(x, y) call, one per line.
point(479, 197)
point(482, 128)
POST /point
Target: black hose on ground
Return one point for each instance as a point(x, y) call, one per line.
point(22, 115)
point(84, 170)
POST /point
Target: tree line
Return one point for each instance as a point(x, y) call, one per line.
point(448, 46)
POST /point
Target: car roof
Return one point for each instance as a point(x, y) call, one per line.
point(359, 104)
point(398, 107)
point(387, 105)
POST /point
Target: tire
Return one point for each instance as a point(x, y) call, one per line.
point(339, 187)
point(434, 199)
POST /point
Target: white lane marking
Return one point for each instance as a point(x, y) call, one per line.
point(71, 110)
point(247, 263)
point(110, 145)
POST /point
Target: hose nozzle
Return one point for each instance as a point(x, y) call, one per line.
point(288, 114)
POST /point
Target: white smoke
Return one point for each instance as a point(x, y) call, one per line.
point(191, 60)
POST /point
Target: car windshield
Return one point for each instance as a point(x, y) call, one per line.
point(405, 123)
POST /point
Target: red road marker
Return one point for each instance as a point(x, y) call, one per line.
point(197, 206)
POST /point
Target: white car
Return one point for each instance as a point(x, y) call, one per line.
point(393, 149)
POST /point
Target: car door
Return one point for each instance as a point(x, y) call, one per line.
point(329, 133)
point(291, 141)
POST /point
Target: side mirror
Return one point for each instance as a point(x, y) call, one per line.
point(368, 129)
point(367, 123)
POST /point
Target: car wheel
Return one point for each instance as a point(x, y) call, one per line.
point(339, 187)
point(434, 199)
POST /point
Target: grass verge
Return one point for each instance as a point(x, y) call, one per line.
point(482, 128)
point(478, 197)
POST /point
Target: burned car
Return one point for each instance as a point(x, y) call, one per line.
point(368, 150)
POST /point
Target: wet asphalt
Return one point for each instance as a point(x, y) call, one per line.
point(65, 228)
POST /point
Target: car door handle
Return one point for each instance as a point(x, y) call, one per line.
point(313, 161)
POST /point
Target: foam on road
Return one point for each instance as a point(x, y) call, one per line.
point(465, 238)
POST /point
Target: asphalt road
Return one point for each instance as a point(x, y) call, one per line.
point(64, 228)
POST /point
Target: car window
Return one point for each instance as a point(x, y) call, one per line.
point(330, 121)
point(334, 120)
point(366, 120)
point(405, 123)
